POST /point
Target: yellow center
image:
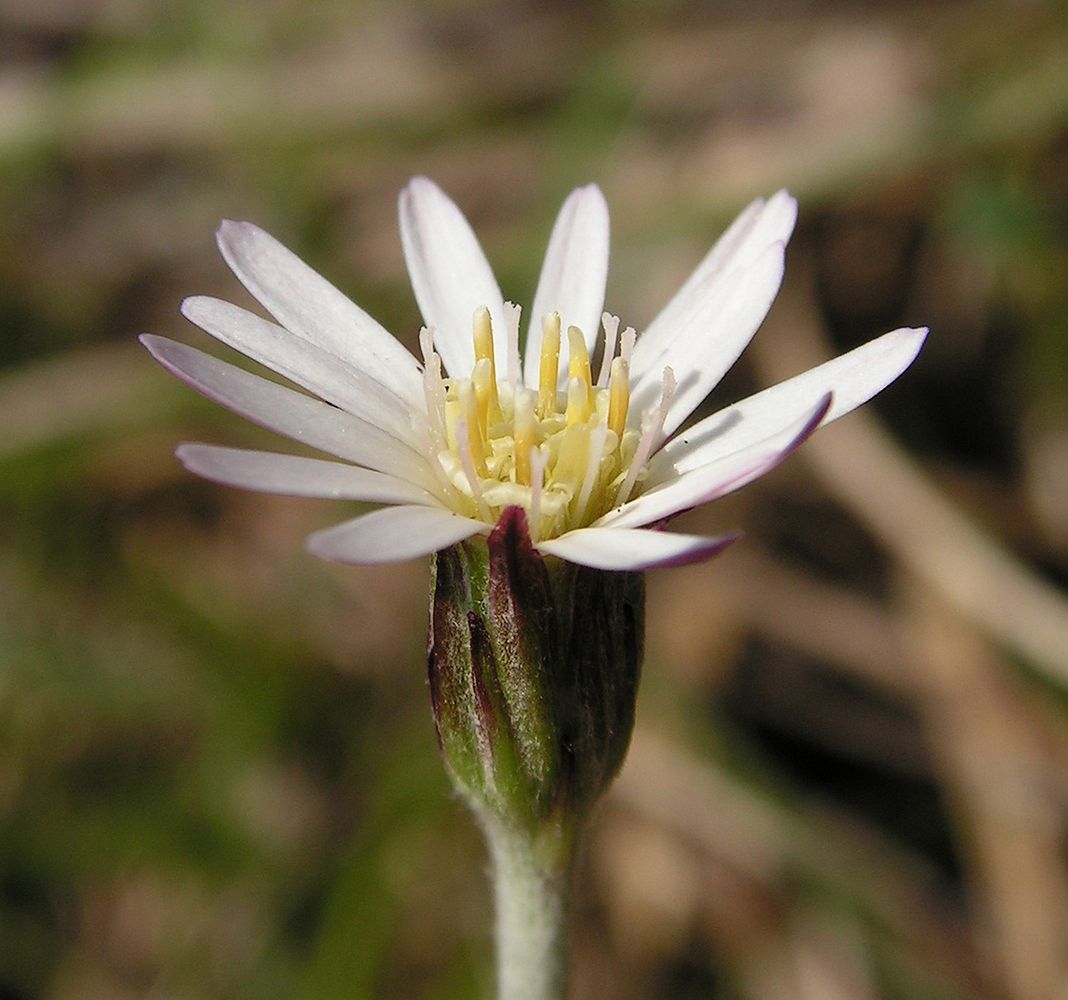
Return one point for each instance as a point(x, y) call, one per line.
point(565, 457)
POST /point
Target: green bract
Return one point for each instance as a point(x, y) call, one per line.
point(534, 666)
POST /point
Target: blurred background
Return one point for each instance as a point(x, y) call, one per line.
point(218, 773)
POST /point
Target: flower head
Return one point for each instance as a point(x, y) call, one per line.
point(447, 444)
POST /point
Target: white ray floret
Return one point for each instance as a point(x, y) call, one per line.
point(574, 274)
point(392, 534)
point(294, 475)
point(306, 304)
point(445, 446)
point(302, 362)
point(449, 272)
point(293, 414)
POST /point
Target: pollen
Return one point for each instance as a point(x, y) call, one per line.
point(565, 450)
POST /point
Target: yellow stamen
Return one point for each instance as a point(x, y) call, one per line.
point(471, 427)
point(652, 425)
point(597, 442)
point(537, 480)
point(550, 365)
point(483, 336)
point(485, 391)
point(463, 438)
point(567, 456)
point(570, 467)
point(578, 401)
point(578, 359)
point(511, 320)
point(483, 333)
point(618, 396)
point(523, 434)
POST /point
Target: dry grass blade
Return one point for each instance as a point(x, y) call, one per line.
point(865, 468)
point(766, 845)
point(1001, 786)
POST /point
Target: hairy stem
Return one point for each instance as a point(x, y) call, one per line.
point(531, 919)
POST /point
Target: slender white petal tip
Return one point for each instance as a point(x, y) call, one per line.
point(311, 308)
point(293, 475)
point(449, 272)
point(573, 276)
point(393, 534)
point(634, 549)
point(718, 478)
point(297, 416)
point(851, 379)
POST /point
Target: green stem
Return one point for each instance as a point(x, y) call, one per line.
point(531, 919)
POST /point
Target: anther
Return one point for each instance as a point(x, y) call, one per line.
point(485, 393)
point(550, 365)
point(537, 481)
point(578, 401)
point(463, 446)
point(470, 436)
point(578, 357)
point(511, 318)
point(593, 470)
point(618, 397)
point(524, 430)
point(652, 426)
point(569, 469)
point(483, 333)
point(483, 337)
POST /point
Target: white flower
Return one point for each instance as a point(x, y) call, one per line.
point(445, 445)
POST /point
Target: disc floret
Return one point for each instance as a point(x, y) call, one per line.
point(566, 452)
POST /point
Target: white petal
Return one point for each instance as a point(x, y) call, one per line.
point(450, 275)
point(716, 479)
point(852, 379)
point(757, 228)
point(633, 548)
point(329, 377)
point(393, 534)
point(300, 417)
point(723, 318)
point(304, 302)
point(293, 475)
point(573, 276)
